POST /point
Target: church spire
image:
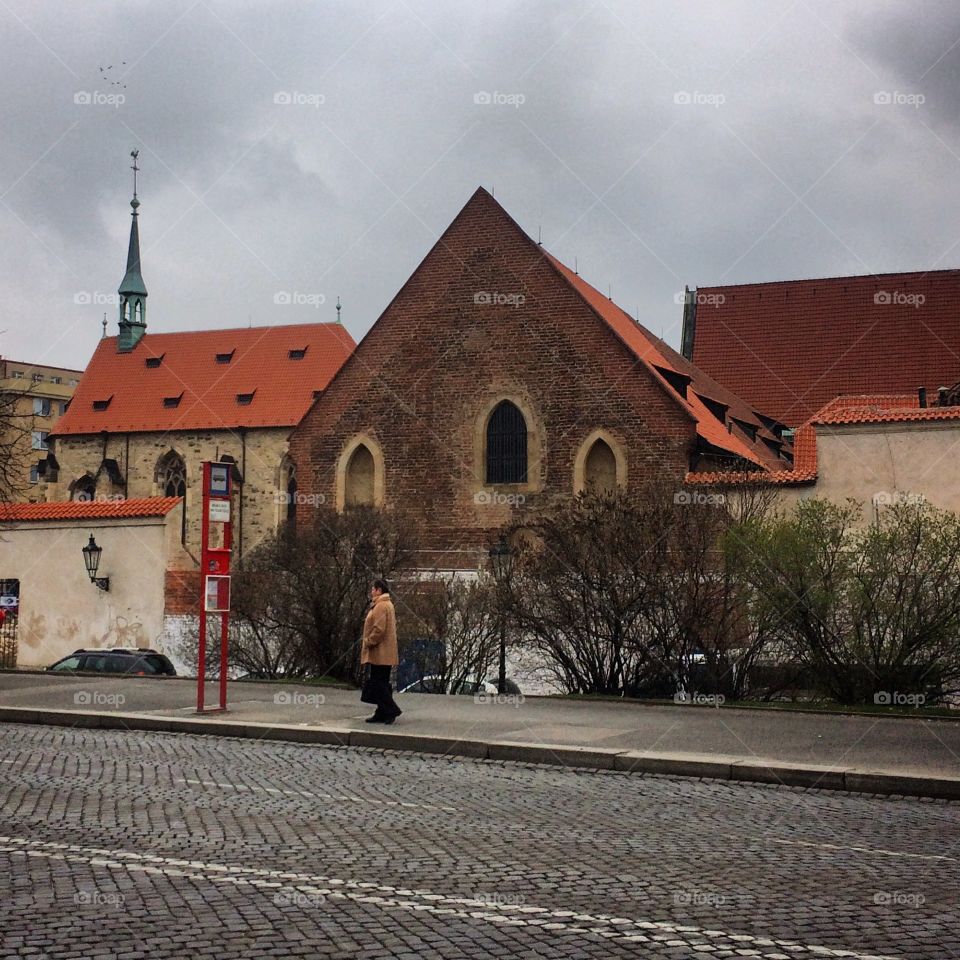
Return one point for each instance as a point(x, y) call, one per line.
point(133, 292)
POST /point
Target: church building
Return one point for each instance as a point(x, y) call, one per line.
point(151, 407)
point(498, 382)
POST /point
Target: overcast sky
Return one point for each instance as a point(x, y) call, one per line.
point(318, 149)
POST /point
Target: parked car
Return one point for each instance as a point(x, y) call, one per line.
point(141, 663)
point(468, 687)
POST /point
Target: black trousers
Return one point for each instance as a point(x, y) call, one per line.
point(380, 677)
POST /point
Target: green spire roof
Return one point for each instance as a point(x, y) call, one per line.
point(132, 283)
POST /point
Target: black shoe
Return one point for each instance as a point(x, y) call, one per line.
point(376, 719)
point(390, 720)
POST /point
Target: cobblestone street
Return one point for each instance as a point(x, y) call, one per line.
point(157, 845)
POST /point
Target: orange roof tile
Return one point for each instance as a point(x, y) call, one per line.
point(120, 393)
point(790, 346)
point(88, 509)
point(657, 356)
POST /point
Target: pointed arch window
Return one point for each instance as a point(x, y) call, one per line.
point(506, 445)
point(288, 478)
point(171, 478)
point(360, 478)
point(600, 470)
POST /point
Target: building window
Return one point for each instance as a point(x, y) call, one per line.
point(172, 475)
point(506, 445)
point(38, 440)
point(35, 474)
point(84, 488)
point(291, 498)
point(245, 399)
point(56, 379)
point(63, 406)
point(73, 383)
point(600, 465)
point(41, 407)
point(38, 378)
point(600, 471)
point(17, 374)
point(361, 473)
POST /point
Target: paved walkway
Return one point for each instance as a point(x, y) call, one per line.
point(871, 754)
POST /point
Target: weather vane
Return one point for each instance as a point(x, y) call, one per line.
point(134, 168)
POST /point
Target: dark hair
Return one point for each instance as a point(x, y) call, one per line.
point(381, 584)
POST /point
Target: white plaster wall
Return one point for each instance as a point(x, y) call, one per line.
point(61, 610)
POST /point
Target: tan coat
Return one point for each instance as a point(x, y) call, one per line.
point(380, 634)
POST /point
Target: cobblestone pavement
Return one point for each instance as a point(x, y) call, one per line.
point(115, 844)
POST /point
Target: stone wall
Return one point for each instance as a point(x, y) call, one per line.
point(257, 504)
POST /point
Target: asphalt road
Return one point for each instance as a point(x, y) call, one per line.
point(125, 845)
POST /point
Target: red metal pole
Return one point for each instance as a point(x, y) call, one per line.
point(223, 661)
point(204, 542)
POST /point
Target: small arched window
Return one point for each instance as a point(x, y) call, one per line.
point(600, 470)
point(83, 488)
point(506, 445)
point(359, 490)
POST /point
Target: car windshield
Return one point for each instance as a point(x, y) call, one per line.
point(70, 663)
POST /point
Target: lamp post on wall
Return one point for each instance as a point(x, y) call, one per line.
point(91, 560)
point(501, 559)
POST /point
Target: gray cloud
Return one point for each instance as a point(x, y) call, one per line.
point(780, 165)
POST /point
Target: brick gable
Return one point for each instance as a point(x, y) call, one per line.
point(486, 315)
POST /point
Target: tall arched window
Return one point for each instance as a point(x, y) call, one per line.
point(172, 475)
point(360, 477)
point(600, 470)
point(506, 445)
point(289, 475)
point(171, 478)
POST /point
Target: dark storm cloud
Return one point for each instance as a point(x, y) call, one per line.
point(320, 149)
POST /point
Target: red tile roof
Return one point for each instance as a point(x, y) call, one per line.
point(662, 361)
point(88, 509)
point(120, 393)
point(865, 408)
point(791, 346)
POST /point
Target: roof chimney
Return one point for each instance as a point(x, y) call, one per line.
point(922, 397)
point(942, 396)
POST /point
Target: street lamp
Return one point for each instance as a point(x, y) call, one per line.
point(501, 559)
point(91, 560)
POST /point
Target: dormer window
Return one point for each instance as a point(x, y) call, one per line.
point(298, 354)
point(226, 357)
point(102, 404)
point(718, 409)
point(245, 399)
point(172, 401)
point(154, 362)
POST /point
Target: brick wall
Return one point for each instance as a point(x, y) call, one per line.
point(421, 380)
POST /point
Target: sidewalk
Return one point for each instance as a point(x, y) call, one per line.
point(884, 755)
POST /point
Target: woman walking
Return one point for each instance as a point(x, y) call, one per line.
point(379, 653)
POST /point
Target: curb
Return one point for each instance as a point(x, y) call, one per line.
point(708, 766)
